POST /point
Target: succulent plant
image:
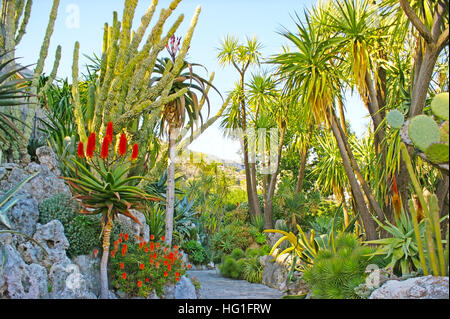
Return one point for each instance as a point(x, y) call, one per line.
point(423, 131)
point(437, 153)
point(439, 106)
point(395, 119)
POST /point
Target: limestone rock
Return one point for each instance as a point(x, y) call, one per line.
point(24, 215)
point(274, 274)
point(51, 237)
point(68, 283)
point(185, 289)
point(19, 280)
point(142, 230)
point(90, 268)
point(428, 287)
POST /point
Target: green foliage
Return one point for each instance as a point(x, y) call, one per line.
point(196, 252)
point(140, 265)
point(82, 232)
point(155, 219)
point(229, 237)
point(237, 253)
point(335, 274)
point(400, 250)
point(230, 268)
point(12, 94)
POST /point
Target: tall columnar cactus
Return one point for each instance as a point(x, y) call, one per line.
point(124, 92)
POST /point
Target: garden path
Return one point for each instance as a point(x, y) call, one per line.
point(214, 286)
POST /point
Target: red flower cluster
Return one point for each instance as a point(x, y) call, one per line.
point(107, 141)
point(156, 257)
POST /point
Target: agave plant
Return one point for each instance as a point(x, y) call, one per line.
point(102, 186)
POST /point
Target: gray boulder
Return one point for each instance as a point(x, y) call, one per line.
point(274, 274)
point(185, 289)
point(141, 230)
point(90, 268)
point(19, 280)
point(428, 287)
point(51, 237)
point(68, 282)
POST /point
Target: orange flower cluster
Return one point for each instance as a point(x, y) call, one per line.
point(156, 257)
point(107, 141)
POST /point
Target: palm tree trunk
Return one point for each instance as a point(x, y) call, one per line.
point(170, 193)
point(268, 220)
point(344, 206)
point(361, 207)
point(254, 190)
point(104, 261)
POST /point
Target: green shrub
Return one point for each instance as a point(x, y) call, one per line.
point(197, 254)
point(237, 253)
point(252, 270)
point(229, 237)
point(335, 274)
point(82, 231)
point(230, 268)
point(144, 272)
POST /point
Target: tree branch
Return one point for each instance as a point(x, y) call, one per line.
point(442, 40)
point(415, 20)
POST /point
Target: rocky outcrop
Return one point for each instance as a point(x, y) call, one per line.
point(185, 289)
point(142, 230)
point(428, 287)
point(274, 274)
point(32, 271)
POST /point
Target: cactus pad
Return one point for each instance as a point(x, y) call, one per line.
point(437, 153)
point(439, 106)
point(395, 119)
point(423, 131)
point(444, 132)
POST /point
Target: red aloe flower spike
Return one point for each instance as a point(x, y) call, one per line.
point(134, 153)
point(126, 237)
point(139, 284)
point(141, 266)
point(90, 145)
point(80, 150)
point(152, 237)
point(122, 144)
point(124, 275)
point(105, 146)
point(122, 265)
point(109, 131)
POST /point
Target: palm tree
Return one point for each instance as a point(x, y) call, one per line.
point(329, 171)
point(313, 75)
point(175, 113)
point(241, 57)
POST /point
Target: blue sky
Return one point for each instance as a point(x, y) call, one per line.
point(218, 18)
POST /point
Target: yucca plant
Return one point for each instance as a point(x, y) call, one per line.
point(102, 186)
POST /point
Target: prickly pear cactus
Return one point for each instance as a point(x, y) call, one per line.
point(439, 106)
point(395, 119)
point(437, 153)
point(429, 134)
point(423, 131)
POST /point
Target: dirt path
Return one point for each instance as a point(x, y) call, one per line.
point(214, 286)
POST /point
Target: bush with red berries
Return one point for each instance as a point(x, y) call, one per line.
point(139, 268)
